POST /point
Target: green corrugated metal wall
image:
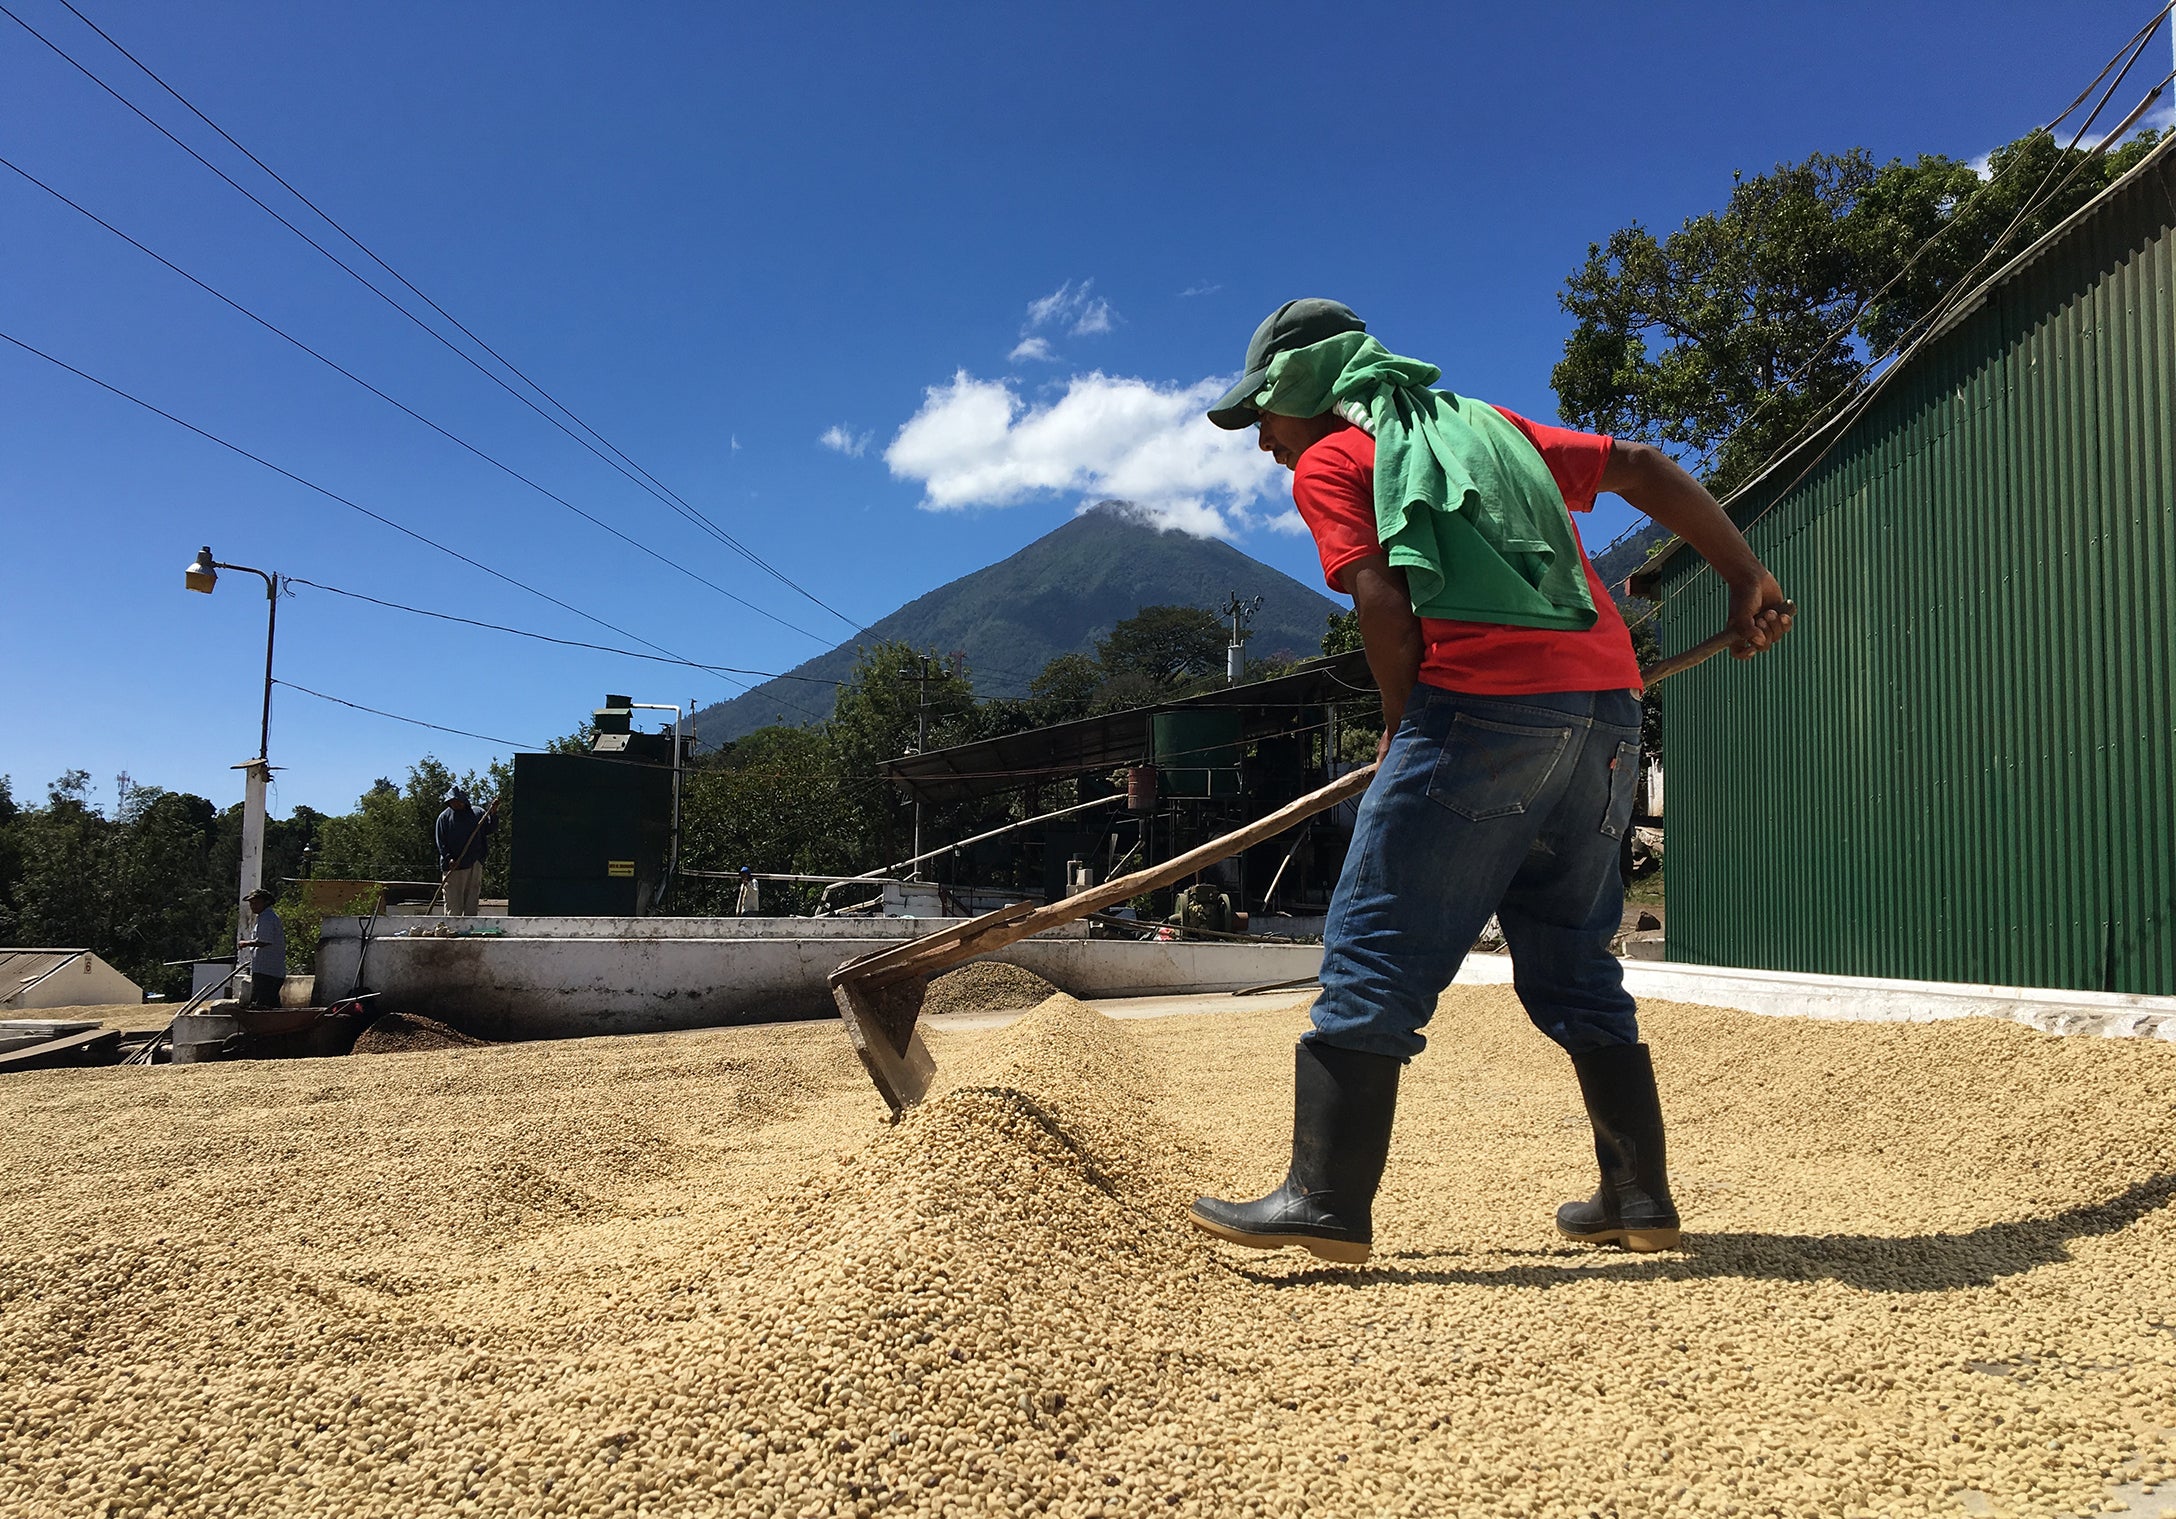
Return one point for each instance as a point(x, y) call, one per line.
point(1961, 766)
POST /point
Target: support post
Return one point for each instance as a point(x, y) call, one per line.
point(256, 775)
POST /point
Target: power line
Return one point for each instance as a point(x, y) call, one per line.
point(1854, 400)
point(312, 485)
point(570, 643)
point(640, 478)
point(416, 722)
point(2133, 45)
point(2037, 198)
point(1925, 327)
point(670, 496)
point(399, 405)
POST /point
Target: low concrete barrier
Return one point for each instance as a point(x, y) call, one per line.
point(1868, 999)
point(552, 978)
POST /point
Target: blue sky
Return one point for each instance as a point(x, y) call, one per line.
point(885, 292)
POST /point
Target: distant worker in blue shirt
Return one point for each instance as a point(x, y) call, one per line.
point(464, 836)
point(266, 946)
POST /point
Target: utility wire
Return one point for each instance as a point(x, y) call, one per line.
point(682, 508)
point(654, 487)
point(2133, 45)
point(1923, 328)
point(416, 722)
point(399, 405)
point(2037, 198)
point(569, 643)
point(671, 497)
point(1852, 399)
point(312, 485)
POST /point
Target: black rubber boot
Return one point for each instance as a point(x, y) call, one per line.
point(1632, 1207)
point(1342, 1105)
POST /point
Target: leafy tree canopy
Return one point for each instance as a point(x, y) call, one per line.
point(1165, 644)
point(1714, 340)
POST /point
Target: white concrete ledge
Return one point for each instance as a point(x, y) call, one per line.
point(1871, 999)
point(555, 978)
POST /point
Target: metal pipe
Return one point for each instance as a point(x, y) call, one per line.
point(766, 875)
point(1268, 895)
point(271, 625)
point(256, 773)
point(885, 873)
point(672, 860)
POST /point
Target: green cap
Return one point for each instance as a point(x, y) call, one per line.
point(1295, 324)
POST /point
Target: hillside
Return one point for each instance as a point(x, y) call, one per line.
point(1056, 596)
point(1628, 556)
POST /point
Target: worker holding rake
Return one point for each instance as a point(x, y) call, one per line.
point(1509, 756)
point(463, 836)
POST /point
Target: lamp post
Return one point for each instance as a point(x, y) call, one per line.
point(203, 575)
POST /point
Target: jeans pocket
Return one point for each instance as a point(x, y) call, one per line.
point(1491, 769)
point(1624, 785)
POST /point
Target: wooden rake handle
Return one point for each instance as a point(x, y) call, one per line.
point(992, 931)
point(1699, 653)
point(946, 948)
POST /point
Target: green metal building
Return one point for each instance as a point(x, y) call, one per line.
point(1961, 766)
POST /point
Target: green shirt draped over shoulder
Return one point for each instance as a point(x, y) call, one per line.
point(1464, 504)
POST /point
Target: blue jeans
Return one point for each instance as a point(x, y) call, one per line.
point(1511, 805)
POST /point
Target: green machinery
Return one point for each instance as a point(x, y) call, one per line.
point(1197, 751)
point(596, 831)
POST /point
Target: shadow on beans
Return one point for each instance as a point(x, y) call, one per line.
point(1870, 1262)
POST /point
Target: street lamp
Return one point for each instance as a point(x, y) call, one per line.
point(203, 575)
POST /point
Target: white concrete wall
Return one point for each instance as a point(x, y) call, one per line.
point(84, 980)
point(567, 977)
point(564, 977)
point(1866, 999)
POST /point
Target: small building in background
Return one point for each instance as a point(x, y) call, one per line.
point(35, 978)
point(599, 832)
point(1176, 775)
point(1961, 765)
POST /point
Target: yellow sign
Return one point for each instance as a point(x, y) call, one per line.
point(619, 867)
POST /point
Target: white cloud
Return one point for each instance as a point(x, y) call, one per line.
point(842, 439)
point(1193, 290)
point(1287, 521)
point(1074, 308)
point(2161, 118)
point(976, 443)
point(1047, 309)
point(1031, 348)
point(734, 439)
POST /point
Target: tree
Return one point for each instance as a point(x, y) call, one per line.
point(60, 897)
point(390, 836)
point(877, 718)
point(11, 858)
point(164, 901)
point(1066, 688)
point(773, 801)
point(135, 886)
point(1166, 644)
point(1715, 341)
point(1343, 634)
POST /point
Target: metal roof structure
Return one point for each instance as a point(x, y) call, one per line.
point(1787, 470)
point(1961, 766)
point(1267, 709)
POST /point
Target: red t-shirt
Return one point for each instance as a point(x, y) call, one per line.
point(1334, 487)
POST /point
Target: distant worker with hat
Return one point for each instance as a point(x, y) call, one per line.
point(749, 904)
point(266, 942)
point(464, 837)
point(1509, 756)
